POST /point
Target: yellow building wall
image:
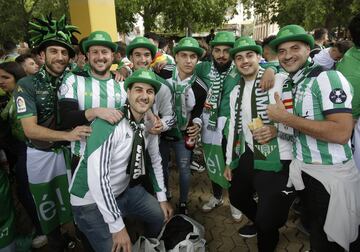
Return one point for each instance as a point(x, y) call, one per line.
point(94, 15)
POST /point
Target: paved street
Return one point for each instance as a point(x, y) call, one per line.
point(221, 230)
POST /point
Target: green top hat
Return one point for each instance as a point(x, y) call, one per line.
point(143, 75)
point(99, 38)
point(245, 44)
point(223, 38)
point(292, 33)
point(189, 44)
point(45, 32)
point(141, 42)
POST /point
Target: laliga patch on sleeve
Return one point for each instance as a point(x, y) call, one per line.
point(20, 105)
point(63, 89)
point(337, 96)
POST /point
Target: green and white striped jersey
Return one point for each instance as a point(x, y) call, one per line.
point(91, 92)
point(317, 94)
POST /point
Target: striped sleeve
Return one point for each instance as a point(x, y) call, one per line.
point(231, 126)
point(164, 103)
point(99, 184)
point(68, 88)
point(157, 171)
point(334, 91)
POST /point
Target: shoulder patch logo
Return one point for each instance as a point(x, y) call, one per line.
point(127, 135)
point(63, 89)
point(117, 97)
point(337, 96)
point(20, 105)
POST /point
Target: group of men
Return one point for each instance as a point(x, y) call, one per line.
point(264, 132)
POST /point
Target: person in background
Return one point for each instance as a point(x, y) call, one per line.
point(328, 57)
point(15, 147)
point(39, 60)
point(10, 53)
point(320, 37)
point(28, 63)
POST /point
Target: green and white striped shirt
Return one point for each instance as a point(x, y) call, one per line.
point(91, 92)
point(317, 94)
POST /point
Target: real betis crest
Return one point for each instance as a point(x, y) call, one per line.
point(266, 149)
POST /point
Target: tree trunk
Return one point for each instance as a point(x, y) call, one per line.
point(189, 30)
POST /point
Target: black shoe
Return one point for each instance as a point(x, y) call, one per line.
point(248, 231)
point(182, 208)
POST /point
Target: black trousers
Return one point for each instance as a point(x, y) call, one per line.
point(316, 201)
point(271, 211)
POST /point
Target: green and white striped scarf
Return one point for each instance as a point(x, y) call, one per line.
point(214, 96)
point(180, 99)
point(266, 156)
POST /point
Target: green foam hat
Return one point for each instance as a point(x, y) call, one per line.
point(189, 44)
point(292, 33)
point(143, 75)
point(101, 38)
point(141, 42)
point(46, 32)
point(245, 43)
point(223, 38)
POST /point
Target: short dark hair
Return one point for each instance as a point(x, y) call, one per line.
point(21, 58)
point(268, 39)
point(121, 48)
point(151, 35)
point(35, 51)
point(163, 42)
point(9, 45)
point(319, 33)
point(343, 46)
point(354, 29)
point(14, 69)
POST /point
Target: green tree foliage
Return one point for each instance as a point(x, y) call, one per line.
point(126, 12)
point(16, 14)
point(310, 14)
point(196, 14)
point(174, 15)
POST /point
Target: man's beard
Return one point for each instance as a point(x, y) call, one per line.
point(222, 67)
point(101, 72)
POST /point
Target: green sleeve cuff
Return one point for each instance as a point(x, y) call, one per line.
point(25, 116)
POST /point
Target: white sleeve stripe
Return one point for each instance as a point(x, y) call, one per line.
point(104, 179)
point(107, 160)
point(70, 82)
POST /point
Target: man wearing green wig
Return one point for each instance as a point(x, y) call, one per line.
point(36, 105)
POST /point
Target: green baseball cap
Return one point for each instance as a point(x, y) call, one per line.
point(292, 33)
point(101, 38)
point(245, 43)
point(143, 75)
point(141, 42)
point(223, 38)
point(189, 44)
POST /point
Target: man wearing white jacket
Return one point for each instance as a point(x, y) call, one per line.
point(107, 182)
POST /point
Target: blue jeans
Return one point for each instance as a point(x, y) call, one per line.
point(133, 201)
point(183, 157)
